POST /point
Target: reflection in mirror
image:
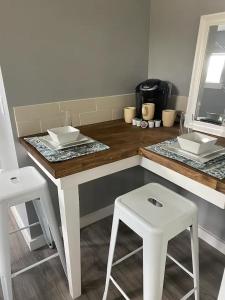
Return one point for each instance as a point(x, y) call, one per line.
point(211, 98)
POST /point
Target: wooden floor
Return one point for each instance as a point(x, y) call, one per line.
point(48, 282)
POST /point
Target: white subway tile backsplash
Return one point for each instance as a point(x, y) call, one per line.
point(114, 102)
point(131, 100)
point(75, 119)
point(35, 112)
point(117, 113)
point(95, 117)
point(33, 119)
point(78, 106)
point(57, 120)
point(178, 102)
point(28, 127)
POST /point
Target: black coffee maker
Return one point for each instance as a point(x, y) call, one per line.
point(153, 91)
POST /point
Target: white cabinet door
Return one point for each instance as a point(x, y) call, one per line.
point(8, 158)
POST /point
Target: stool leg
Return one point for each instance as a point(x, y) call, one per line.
point(154, 260)
point(115, 226)
point(5, 262)
point(195, 256)
point(50, 216)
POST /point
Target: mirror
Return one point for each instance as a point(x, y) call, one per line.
point(211, 97)
point(206, 105)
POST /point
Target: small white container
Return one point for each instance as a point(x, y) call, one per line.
point(151, 124)
point(63, 135)
point(157, 123)
point(134, 121)
point(138, 122)
point(196, 143)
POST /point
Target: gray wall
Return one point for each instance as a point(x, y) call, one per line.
point(173, 35)
point(55, 50)
point(59, 50)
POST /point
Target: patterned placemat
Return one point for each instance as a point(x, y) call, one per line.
point(68, 153)
point(214, 167)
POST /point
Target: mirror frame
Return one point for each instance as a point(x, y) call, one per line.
point(205, 23)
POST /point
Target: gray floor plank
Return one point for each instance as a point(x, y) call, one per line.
point(48, 282)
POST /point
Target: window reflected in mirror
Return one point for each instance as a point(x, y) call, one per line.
point(211, 99)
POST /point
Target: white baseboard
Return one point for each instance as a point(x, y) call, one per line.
point(33, 244)
point(100, 214)
point(96, 216)
point(20, 224)
point(211, 239)
point(84, 221)
point(39, 241)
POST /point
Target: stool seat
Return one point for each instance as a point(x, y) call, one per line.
point(20, 186)
point(156, 214)
point(161, 209)
point(16, 184)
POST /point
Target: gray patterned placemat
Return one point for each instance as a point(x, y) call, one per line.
point(214, 167)
point(68, 153)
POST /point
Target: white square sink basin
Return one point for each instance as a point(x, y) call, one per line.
point(63, 135)
point(196, 142)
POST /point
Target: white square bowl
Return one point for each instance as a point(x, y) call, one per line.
point(63, 135)
point(196, 142)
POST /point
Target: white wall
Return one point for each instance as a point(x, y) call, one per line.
point(8, 159)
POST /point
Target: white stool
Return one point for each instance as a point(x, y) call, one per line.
point(156, 214)
point(19, 186)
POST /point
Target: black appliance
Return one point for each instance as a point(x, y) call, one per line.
point(153, 91)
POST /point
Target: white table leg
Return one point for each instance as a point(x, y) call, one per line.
point(70, 218)
point(222, 288)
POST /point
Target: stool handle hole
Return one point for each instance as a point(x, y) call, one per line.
point(155, 202)
point(14, 180)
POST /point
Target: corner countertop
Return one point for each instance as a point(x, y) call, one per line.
point(124, 141)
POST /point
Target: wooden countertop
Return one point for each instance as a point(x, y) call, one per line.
point(124, 141)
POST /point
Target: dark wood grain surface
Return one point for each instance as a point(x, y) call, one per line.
point(185, 170)
point(124, 141)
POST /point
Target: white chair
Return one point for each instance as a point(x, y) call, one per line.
point(16, 187)
point(156, 214)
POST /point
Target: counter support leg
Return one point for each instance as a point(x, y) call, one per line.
point(221, 295)
point(70, 218)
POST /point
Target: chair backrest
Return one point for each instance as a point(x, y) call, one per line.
point(8, 158)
